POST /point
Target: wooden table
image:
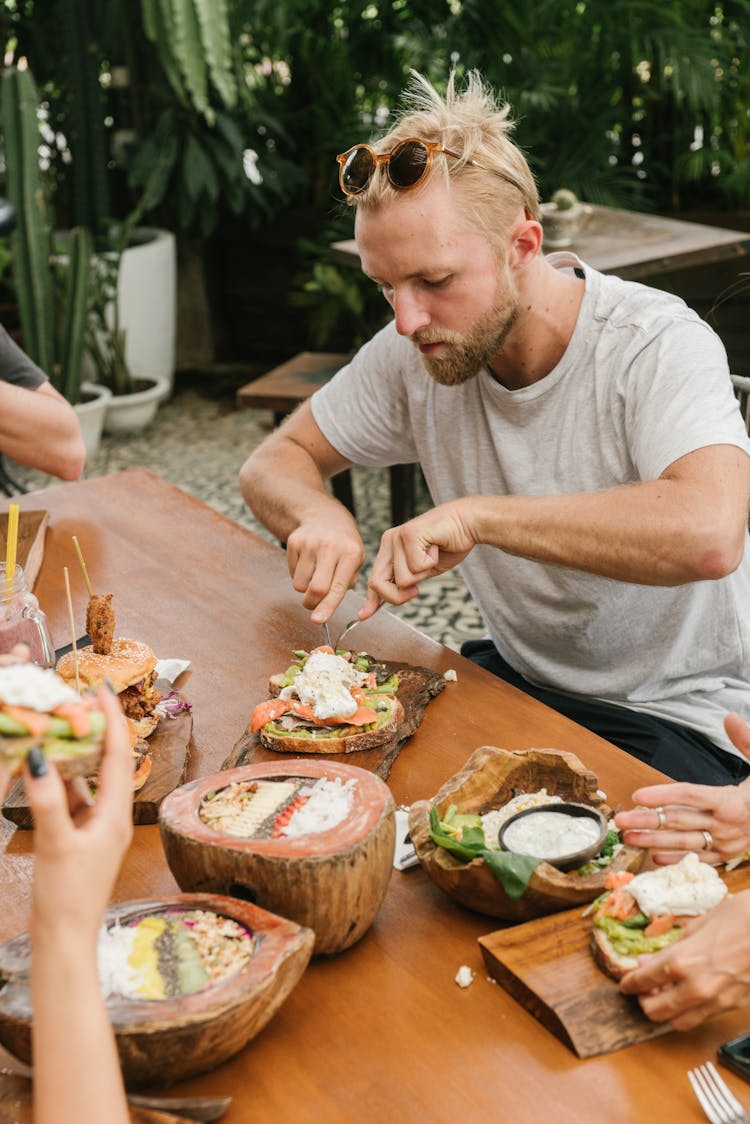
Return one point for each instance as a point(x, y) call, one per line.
point(634, 245)
point(380, 1031)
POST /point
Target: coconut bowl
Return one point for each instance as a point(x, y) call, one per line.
point(332, 881)
point(488, 780)
point(166, 1040)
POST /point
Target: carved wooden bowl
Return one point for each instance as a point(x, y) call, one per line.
point(489, 779)
point(332, 881)
point(167, 1040)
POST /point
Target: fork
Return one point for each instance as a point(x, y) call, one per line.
point(715, 1097)
point(350, 625)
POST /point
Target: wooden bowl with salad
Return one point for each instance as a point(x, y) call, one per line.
point(310, 839)
point(455, 834)
point(188, 981)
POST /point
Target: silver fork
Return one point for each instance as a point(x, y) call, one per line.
point(715, 1097)
point(350, 625)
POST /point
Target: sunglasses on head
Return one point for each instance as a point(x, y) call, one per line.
point(405, 165)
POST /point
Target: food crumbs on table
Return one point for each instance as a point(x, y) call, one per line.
point(464, 976)
point(450, 675)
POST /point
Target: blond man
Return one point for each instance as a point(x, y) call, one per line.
point(579, 436)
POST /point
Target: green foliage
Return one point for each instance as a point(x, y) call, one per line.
point(52, 294)
point(343, 306)
point(193, 42)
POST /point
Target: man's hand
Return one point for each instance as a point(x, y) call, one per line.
point(428, 545)
point(703, 974)
point(325, 554)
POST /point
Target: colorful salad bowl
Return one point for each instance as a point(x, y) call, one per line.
point(309, 839)
point(188, 981)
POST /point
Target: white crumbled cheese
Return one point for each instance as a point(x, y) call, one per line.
point(37, 688)
point(116, 977)
point(329, 803)
point(685, 889)
point(464, 976)
point(323, 683)
point(494, 820)
point(450, 676)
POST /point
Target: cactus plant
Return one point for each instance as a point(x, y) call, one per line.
point(53, 295)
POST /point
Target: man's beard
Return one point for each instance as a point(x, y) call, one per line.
point(468, 352)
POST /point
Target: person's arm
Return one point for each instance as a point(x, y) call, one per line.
point(78, 853)
point(39, 428)
point(689, 525)
point(283, 484)
point(705, 973)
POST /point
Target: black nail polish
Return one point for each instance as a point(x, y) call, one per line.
point(108, 684)
point(37, 762)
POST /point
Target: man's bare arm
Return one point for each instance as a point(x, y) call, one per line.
point(40, 429)
point(284, 484)
point(689, 525)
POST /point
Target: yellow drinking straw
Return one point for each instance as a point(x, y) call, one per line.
point(12, 545)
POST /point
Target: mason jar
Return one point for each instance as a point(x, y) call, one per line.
point(21, 619)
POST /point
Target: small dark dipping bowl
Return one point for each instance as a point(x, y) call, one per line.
point(573, 859)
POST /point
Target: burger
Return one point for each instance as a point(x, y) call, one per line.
point(37, 708)
point(130, 669)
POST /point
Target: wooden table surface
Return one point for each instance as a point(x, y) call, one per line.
point(632, 244)
point(380, 1031)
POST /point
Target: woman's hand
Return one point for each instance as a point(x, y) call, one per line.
point(672, 819)
point(705, 973)
point(79, 844)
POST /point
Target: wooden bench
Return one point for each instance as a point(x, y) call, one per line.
point(293, 382)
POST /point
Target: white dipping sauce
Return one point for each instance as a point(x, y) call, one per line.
point(550, 835)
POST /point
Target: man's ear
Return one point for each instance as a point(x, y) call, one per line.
point(525, 242)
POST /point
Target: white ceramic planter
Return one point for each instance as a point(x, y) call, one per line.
point(147, 302)
point(129, 413)
point(91, 414)
point(147, 293)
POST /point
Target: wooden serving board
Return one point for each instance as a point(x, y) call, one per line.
point(547, 965)
point(170, 753)
point(32, 526)
point(417, 687)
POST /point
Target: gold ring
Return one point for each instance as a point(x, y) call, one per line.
point(662, 817)
point(708, 840)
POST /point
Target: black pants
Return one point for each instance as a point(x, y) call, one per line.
point(683, 754)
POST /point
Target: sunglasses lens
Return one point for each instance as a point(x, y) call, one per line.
point(408, 164)
point(357, 170)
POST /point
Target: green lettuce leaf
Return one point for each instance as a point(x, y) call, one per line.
point(512, 871)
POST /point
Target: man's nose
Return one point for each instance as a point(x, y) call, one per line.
point(410, 313)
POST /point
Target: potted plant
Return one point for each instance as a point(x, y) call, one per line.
point(562, 218)
point(52, 294)
point(135, 396)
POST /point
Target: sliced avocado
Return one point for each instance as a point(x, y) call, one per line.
point(633, 942)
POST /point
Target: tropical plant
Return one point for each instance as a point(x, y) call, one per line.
point(52, 294)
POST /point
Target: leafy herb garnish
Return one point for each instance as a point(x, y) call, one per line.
point(512, 871)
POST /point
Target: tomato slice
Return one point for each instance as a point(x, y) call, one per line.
point(37, 724)
point(77, 714)
point(267, 711)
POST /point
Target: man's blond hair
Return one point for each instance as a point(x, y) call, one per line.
point(470, 121)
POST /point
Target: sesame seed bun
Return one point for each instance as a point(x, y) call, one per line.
point(128, 662)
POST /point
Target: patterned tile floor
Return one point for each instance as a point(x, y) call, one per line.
point(198, 441)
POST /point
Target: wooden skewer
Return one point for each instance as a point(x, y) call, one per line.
point(83, 568)
point(72, 628)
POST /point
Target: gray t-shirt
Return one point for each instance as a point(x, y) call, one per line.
point(15, 365)
point(642, 382)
